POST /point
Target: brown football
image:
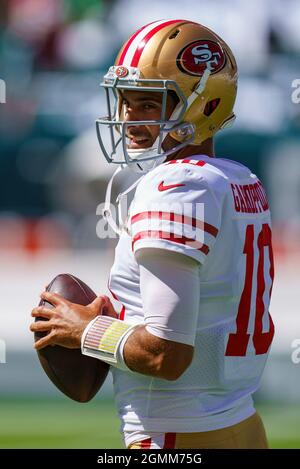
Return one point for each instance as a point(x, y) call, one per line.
point(76, 375)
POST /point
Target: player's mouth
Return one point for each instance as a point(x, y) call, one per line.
point(139, 142)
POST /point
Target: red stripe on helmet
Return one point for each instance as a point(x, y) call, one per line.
point(130, 41)
point(142, 44)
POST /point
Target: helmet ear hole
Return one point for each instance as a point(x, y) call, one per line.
point(174, 34)
point(211, 106)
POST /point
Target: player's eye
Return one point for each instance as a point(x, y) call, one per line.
point(150, 106)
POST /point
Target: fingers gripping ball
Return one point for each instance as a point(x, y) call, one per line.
point(77, 376)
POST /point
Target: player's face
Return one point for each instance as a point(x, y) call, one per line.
point(144, 106)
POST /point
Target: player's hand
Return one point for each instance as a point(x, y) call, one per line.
point(66, 322)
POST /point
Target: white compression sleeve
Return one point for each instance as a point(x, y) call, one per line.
point(170, 291)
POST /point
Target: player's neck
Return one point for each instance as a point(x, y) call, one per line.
point(205, 148)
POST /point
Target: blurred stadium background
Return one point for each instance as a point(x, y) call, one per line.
point(52, 56)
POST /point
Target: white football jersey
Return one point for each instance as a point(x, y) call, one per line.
point(215, 211)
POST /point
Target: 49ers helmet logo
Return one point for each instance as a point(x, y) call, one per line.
point(199, 55)
point(122, 72)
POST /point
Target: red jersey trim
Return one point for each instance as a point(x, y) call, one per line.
point(173, 217)
point(153, 234)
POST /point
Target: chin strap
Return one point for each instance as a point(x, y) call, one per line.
point(106, 212)
point(120, 202)
point(137, 167)
point(200, 88)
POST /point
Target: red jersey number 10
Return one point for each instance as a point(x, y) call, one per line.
point(238, 341)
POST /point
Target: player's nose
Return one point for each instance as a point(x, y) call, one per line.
point(136, 131)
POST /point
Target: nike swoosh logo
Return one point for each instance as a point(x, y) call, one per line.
point(161, 186)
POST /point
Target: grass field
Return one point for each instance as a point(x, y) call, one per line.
point(64, 424)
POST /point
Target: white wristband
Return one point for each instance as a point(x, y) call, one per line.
point(104, 338)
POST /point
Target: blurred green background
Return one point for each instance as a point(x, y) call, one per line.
point(56, 423)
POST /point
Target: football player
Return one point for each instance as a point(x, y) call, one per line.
point(193, 266)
